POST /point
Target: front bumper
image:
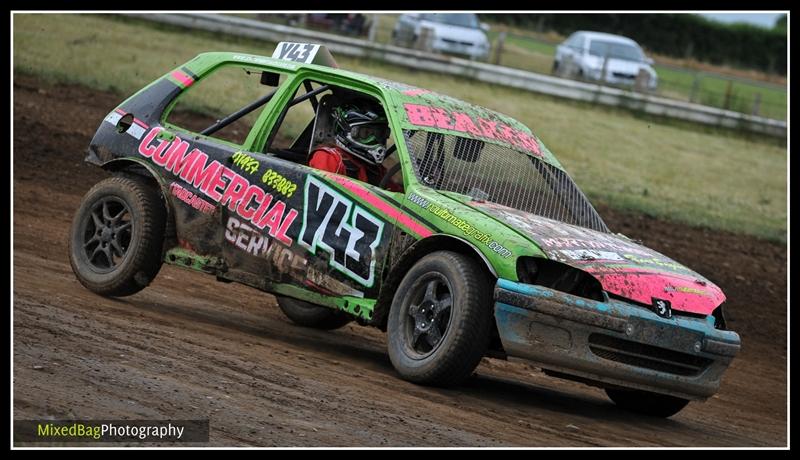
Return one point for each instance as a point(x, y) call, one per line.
point(471, 51)
point(613, 343)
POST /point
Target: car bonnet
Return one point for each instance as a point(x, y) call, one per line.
point(623, 267)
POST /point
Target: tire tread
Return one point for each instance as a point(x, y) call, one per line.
point(471, 341)
point(143, 268)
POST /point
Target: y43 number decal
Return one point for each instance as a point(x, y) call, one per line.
point(348, 232)
point(298, 52)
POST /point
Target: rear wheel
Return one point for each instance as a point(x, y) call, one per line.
point(647, 403)
point(313, 316)
point(439, 322)
point(117, 236)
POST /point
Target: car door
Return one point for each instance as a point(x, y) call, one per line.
point(307, 232)
point(200, 133)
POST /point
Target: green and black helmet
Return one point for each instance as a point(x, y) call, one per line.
point(360, 132)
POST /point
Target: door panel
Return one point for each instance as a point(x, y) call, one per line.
point(300, 226)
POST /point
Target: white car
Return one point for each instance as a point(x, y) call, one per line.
point(453, 33)
point(603, 57)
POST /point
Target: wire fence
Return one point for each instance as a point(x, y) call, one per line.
point(527, 52)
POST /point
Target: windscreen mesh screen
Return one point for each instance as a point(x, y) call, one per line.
point(501, 175)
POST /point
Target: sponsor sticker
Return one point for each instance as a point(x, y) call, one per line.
point(114, 117)
point(587, 254)
point(137, 131)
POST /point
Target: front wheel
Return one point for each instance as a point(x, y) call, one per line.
point(440, 318)
point(117, 236)
point(647, 403)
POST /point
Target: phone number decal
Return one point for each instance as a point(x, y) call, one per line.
point(281, 184)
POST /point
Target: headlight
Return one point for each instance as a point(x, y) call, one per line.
point(719, 318)
point(559, 276)
point(527, 269)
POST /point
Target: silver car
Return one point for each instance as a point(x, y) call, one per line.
point(453, 33)
point(604, 57)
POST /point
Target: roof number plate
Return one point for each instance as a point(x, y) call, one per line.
point(297, 52)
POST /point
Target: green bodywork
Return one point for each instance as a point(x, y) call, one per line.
point(191, 260)
point(449, 214)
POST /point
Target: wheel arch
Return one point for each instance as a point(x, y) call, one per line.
point(412, 254)
point(140, 168)
point(134, 166)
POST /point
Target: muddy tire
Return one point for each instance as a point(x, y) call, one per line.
point(439, 322)
point(117, 235)
point(313, 316)
point(646, 403)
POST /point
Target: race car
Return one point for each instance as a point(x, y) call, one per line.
point(453, 228)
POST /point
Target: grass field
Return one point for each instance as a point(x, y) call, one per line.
point(714, 178)
point(711, 91)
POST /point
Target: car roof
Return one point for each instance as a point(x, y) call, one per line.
point(400, 95)
point(606, 36)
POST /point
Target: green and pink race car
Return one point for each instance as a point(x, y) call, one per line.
point(449, 226)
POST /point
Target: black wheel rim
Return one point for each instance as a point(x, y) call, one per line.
point(427, 314)
point(107, 234)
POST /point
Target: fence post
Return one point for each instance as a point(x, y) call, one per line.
point(642, 82)
point(501, 38)
point(695, 87)
point(605, 69)
point(728, 90)
point(373, 27)
point(425, 39)
point(757, 104)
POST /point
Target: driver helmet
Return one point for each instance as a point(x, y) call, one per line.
point(361, 132)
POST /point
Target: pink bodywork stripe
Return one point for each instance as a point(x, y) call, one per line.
point(383, 206)
point(610, 269)
point(642, 285)
point(185, 80)
point(135, 120)
point(415, 92)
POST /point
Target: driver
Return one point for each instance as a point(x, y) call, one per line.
point(359, 144)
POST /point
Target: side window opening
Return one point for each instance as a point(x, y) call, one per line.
point(291, 138)
point(312, 131)
point(226, 103)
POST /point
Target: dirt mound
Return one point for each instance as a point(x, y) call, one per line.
point(188, 347)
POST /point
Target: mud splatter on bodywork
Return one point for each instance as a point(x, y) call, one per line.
point(623, 267)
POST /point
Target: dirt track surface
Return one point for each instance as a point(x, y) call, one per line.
point(188, 347)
